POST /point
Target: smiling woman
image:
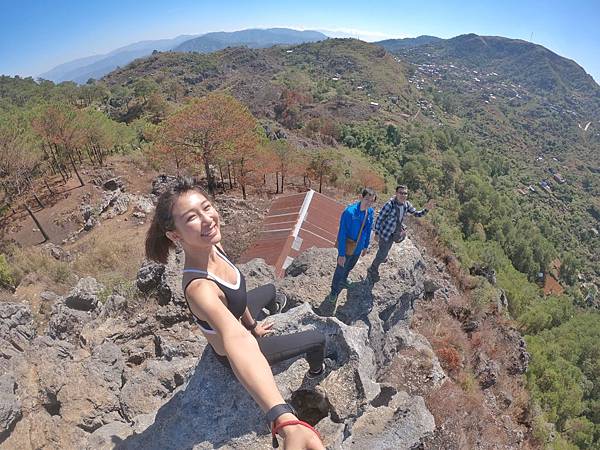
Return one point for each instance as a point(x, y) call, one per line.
point(215, 291)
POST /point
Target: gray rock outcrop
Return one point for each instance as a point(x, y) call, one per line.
point(10, 407)
point(136, 373)
point(16, 329)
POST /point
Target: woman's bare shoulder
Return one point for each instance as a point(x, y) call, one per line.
point(201, 291)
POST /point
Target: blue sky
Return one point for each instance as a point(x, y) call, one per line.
point(38, 35)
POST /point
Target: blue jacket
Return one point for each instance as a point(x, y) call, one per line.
point(350, 223)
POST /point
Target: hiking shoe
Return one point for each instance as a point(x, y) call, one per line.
point(278, 304)
point(312, 375)
point(346, 284)
point(372, 277)
point(331, 298)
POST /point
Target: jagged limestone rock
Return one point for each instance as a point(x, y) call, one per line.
point(65, 322)
point(10, 407)
point(213, 409)
point(257, 273)
point(113, 184)
point(16, 329)
point(84, 296)
point(398, 425)
point(145, 368)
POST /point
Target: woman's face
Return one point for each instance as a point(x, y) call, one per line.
point(197, 222)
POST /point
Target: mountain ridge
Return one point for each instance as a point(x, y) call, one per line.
point(96, 66)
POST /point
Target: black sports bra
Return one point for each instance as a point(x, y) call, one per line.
point(234, 293)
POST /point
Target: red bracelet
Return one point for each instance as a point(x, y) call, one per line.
point(275, 429)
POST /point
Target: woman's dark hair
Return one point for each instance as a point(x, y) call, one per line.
point(367, 191)
point(157, 242)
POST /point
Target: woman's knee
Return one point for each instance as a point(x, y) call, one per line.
point(267, 291)
point(315, 338)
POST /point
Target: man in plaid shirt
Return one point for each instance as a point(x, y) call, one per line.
point(389, 225)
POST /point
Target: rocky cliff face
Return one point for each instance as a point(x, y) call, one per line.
point(137, 374)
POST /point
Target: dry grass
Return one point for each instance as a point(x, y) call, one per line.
point(447, 338)
point(449, 358)
point(111, 256)
point(24, 261)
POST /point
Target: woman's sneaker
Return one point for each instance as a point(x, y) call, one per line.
point(346, 284)
point(278, 304)
point(312, 375)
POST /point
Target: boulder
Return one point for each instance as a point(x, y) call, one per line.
point(16, 329)
point(520, 358)
point(486, 370)
point(57, 252)
point(150, 276)
point(143, 204)
point(114, 306)
point(161, 183)
point(399, 424)
point(147, 390)
point(85, 392)
point(40, 430)
point(308, 277)
point(114, 203)
point(257, 273)
point(90, 223)
point(430, 285)
point(66, 323)
point(200, 415)
point(84, 296)
point(163, 280)
point(87, 211)
point(104, 437)
point(179, 341)
point(113, 184)
point(10, 407)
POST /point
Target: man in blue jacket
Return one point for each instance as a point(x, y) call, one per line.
point(351, 227)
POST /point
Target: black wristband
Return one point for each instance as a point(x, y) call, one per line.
point(251, 327)
point(279, 410)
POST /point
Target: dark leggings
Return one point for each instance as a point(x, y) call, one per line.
point(279, 348)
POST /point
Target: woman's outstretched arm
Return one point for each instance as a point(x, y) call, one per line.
point(247, 361)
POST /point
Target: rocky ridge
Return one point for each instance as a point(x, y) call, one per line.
point(136, 373)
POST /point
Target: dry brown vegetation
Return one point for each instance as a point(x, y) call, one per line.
point(467, 415)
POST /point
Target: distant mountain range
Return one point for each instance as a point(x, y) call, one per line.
point(254, 38)
point(81, 70)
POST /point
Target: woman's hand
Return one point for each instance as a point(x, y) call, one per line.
point(298, 437)
point(262, 329)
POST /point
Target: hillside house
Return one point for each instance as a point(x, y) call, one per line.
point(545, 186)
point(558, 177)
point(295, 223)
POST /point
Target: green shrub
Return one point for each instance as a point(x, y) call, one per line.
point(6, 278)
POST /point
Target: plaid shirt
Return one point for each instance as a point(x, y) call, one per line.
point(391, 214)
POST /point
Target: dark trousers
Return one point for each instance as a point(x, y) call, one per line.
point(279, 348)
point(341, 273)
point(381, 256)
